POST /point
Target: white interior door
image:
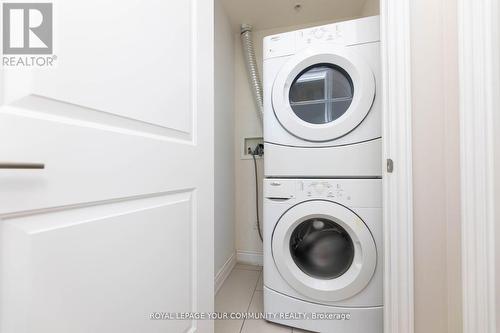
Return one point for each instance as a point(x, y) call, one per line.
point(119, 224)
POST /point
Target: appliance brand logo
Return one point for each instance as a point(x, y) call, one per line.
point(27, 30)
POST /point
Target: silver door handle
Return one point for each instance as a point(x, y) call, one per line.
point(19, 165)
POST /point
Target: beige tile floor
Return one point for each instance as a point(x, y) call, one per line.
point(242, 292)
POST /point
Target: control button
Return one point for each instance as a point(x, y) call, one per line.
point(320, 188)
point(319, 33)
point(275, 184)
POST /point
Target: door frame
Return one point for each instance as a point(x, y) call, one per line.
point(397, 174)
point(478, 57)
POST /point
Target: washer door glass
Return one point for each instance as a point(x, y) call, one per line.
point(324, 250)
point(321, 93)
point(321, 248)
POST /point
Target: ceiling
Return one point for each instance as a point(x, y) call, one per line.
point(268, 14)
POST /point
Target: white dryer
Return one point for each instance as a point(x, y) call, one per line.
point(322, 109)
point(323, 254)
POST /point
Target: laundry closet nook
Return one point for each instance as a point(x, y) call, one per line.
point(346, 83)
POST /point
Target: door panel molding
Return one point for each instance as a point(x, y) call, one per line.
point(112, 146)
point(78, 83)
point(479, 67)
point(40, 107)
point(118, 248)
point(73, 162)
point(143, 60)
point(397, 184)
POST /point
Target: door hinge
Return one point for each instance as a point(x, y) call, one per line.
point(390, 165)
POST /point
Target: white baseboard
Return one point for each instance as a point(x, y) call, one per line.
point(250, 257)
point(223, 273)
point(244, 257)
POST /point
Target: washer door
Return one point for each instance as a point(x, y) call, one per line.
point(324, 251)
point(323, 94)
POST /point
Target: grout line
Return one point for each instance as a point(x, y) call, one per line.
point(257, 283)
point(248, 309)
point(251, 299)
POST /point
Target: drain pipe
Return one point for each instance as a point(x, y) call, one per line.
point(253, 73)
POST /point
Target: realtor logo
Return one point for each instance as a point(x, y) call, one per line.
point(27, 28)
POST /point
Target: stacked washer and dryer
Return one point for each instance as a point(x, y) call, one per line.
point(322, 188)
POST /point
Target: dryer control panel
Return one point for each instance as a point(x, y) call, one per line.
point(353, 32)
point(332, 33)
point(349, 192)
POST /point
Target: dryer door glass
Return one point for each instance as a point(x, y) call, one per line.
point(321, 248)
point(321, 93)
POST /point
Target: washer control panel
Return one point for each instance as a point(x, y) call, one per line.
point(326, 189)
point(349, 192)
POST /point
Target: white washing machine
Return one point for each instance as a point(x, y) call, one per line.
point(322, 109)
point(323, 254)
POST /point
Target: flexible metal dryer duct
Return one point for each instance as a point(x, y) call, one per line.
point(253, 73)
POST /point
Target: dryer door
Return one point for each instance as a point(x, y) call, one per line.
point(323, 94)
point(324, 250)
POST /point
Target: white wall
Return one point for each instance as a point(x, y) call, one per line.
point(224, 138)
point(497, 196)
point(247, 124)
point(497, 215)
point(497, 193)
point(436, 167)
